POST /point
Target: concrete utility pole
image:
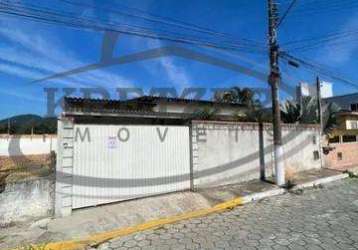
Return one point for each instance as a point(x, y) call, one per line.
point(320, 118)
point(319, 104)
point(274, 81)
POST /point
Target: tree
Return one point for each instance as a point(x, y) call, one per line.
point(236, 95)
point(248, 98)
point(292, 112)
point(330, 118)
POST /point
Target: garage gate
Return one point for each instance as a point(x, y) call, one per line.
point(120, 162)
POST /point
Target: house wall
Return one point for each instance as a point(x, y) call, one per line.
point(342, 156)
point(27, 145)
point(230, 152)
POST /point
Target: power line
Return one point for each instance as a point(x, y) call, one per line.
point(49, 16)
point(337, 38)
point(163, 20)
point(314, 67)
point(317, 6)
point(286, 12)
point(323, 37)
point(325, 9)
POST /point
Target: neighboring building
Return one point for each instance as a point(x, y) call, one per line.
point(343, 141)
point(306, 89)
point(347, 102)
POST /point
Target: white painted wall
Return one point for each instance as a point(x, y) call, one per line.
point(229, 152)
point(27, 145)
point(26, 200)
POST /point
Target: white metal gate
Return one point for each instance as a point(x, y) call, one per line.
point(113, 162)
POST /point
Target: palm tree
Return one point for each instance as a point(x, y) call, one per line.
point(330, 118)
point(246, 97)
point(237, 95)
point(292, 112)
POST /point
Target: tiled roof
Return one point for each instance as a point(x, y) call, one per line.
point(138, 107)
point(143, 103)
point(156, 99)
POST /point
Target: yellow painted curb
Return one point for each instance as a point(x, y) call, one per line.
point(96, 239)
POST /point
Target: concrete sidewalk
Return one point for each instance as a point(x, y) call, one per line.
point(85, 222)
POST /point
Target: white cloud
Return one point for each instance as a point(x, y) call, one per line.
point(341, 54)
point(39, 55)
point(176, 74)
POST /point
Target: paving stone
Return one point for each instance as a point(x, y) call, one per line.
point(317, 219)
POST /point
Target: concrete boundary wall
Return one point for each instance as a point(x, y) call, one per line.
point(21, 201)
point(221, 153)
point(15, 145)
point(232, 152)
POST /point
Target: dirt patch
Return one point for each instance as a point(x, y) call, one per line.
point(20, 168)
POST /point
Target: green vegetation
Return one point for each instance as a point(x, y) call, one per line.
point(27, 124)
point(254, 112)
point(307, 113)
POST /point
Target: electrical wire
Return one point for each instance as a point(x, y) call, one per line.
point(161, 20)
point(69, 19)
point(286, 13)
point(316, 68)
point(324, 6)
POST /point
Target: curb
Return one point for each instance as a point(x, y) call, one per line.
point(353, 171)
point(262, 195)
point(99, 238)
point(320, 181)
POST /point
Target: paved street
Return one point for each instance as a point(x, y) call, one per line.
point(322, 218)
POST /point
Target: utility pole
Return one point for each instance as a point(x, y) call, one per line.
point(320, 118)
point(274, 81)
point(319, 104)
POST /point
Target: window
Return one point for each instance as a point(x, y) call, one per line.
point(352, 124)
point(340, 156)
point(315, 155)
point(334, 139)
point(354, 106)
point(314, 140)
point(349, 138)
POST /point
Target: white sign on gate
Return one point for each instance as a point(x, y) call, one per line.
point(112, 142)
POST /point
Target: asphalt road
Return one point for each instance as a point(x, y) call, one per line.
point(321, 218)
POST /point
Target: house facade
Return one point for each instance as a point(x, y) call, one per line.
point(345, 102)
point(343, 142)
point(111, 151)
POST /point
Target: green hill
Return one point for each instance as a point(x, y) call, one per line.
point(23, 124)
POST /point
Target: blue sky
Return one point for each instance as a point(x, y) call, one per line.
point(31, 50)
